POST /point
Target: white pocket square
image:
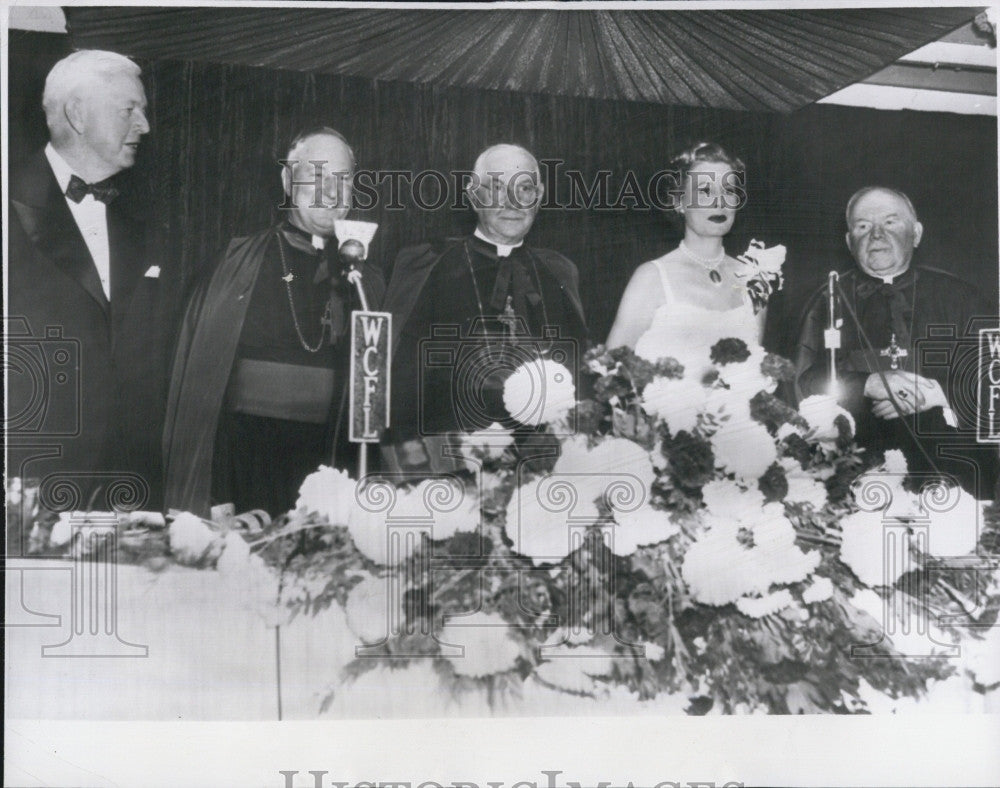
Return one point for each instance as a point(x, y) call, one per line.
point(153, 272)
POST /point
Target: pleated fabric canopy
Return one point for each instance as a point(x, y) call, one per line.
point(726, 59)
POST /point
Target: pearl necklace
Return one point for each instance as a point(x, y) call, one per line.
point(711, 265)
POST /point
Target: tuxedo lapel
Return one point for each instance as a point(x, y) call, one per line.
point(50, 226)
point(127, 268)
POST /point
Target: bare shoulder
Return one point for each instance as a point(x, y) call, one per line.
point(646, 275)
point(645, 281)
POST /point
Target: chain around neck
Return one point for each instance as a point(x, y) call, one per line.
point(291, 303)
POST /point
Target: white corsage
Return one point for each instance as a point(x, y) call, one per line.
point(763, 272)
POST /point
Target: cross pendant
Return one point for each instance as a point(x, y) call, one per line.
point(508, 317)
point(894, 353)
point(326, 322)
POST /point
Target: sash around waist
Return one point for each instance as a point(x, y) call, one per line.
point(281, 391)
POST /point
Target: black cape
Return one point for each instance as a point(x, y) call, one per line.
point(409, 287)
point(941, 314)
point(206, 350)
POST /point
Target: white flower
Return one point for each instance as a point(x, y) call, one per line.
point(895, 462)
point(191, 540)
point(594, 365)
point(729, 561)
point(491, 442)
point(487, 646)
point(567, 675)
point(569, 636)
point(984, 657)
point(539, 392)
point(62, 531)
point(592, 470)
point(654, 651)
point(955, 532)
point(768, 259)
point(724, 498)
point(328, 492)
point(863, 551)
point(709, 565)
point(745, 378)
point(820, 590)
point(14, 490)
point(745, 449)
point(371, 532)
point(887, 492)
point(644, 526)
point(787, 429)
point(677, 402)
point(759, 607)
point(820, 411)
point(367, 609)
point(869, 602)
point(235, 553)
point(537, 524)
point(803, 488)
point(690, 344)
point(727, 407)
point(573, 668)
point(778, 557)
point(447, 502)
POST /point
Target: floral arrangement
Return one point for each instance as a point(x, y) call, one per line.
point(696, 536)
point(762, 272)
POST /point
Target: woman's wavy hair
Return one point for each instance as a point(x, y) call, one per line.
point(683, 162)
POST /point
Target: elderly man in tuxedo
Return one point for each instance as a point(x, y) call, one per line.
point(899, 397)
point(84, 298)
point(496, 297)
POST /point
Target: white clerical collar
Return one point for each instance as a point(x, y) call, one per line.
point(60, 168)
point(890, 279)
point(503, 250)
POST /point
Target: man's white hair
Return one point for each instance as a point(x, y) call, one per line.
point(480, 166)
point(886, 190)
point(84, 68)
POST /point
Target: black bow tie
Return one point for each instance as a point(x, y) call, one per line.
point(78, 189)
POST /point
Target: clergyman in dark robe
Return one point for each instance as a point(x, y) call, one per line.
point(258, 391)
point(898, 367)
point(468, 310)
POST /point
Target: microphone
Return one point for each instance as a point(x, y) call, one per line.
point(831, 336)
point(354, 250)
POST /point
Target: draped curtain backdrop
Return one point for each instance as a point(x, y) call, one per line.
point(208, 170)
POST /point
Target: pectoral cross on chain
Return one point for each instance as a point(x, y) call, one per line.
point(508, 317)
point(894, 353)
point(326, 322)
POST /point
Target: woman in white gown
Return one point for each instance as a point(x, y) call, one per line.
point(681, 304)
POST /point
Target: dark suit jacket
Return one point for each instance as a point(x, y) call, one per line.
point(94, 374)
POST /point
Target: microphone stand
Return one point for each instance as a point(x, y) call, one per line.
point(351, 252)
point(831, 336)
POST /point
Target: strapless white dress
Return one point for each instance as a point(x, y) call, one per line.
point(687, 331)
